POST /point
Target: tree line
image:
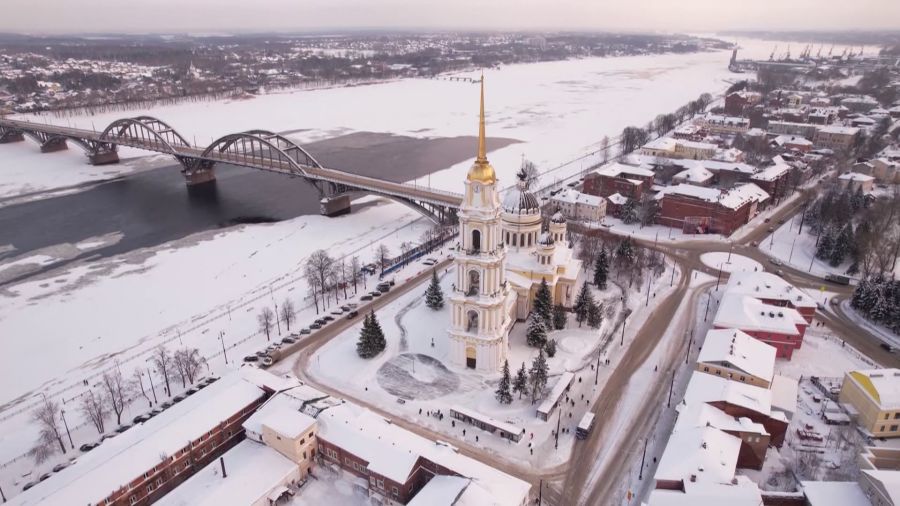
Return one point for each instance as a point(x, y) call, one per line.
point(634, 137)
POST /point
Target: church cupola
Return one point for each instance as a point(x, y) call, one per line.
point(558, 227)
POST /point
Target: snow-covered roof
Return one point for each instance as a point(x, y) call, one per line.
point(565, 379)
point(833, 493)
point(389, 448)
point(718, 119)
point(617, 169)
point(618, 199)
point(695, 173)
point(738, 196)
point(118, 461)
point(720, 166)
point(792, 139)
point(772, 172)
point(288, 422)
point(662, 144)
point(784, 394)
point(742, 493)
point(883, 385)
point(689, 190)
point(738, 311)
point(441, 490)
point(520, 200)
point(253, 470)
point(856, 176)
point(571, 196)
point(838, 129)
point(701, 414)
point(735, 349)
point(699, 454)
point(704, 388)
point(766, 285)
point(890, 481)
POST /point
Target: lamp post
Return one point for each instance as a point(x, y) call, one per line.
point(277, 320)
point(62, 412)
point(152, 387)
point(643, 457)
point(730, 249)
point(222, 340)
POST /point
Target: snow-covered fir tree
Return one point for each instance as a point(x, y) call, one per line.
point(521, 382)
point(559, 317)
point(536, 335)
point(543, 304)
point(601, 269)
point(583, 302)
point(434, 297)
point(371, 338)
point(537, 376)
point(378, 341)
point(550, 348)
point(595, 315)
point(503, 394)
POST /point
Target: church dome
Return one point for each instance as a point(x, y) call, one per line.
point(558, 217)
point(545, 239)
point(519, 200)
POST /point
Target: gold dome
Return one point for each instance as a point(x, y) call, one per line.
point(481, 170)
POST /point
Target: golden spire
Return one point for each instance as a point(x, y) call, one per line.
point(481, 170)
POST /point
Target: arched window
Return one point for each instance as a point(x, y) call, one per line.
point(529, 239)
point(474, 283)
point(472, 321)
point(476, 241)
point(514, 239)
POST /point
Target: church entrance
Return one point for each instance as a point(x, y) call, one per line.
point(470, 357)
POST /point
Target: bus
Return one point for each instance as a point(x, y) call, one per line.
point(585, 426)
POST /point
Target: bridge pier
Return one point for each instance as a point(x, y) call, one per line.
point(334, 206)
point(54, 144)
point(199, 177)
point(11, 136)
point(103, 157)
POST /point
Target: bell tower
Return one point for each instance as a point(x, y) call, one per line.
point(480, 321)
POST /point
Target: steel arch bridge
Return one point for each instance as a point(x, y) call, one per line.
point(257, 149)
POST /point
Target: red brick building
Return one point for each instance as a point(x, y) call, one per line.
point(773, 179)
point(626, 180)
point(701, 210)
point(771, 289)
point(780, 327)
point(737, 103)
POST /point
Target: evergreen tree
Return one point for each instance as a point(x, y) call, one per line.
point(582, 303)
point(537, 376)
point(502, 394)
point(841, 246)
point(559, 317)
point(434, 297)
point(826, 241)
point(364, 347)
point(536, 335)
point(521, 383)
point(550, 348)
point(629, 212)
point(543, 304)
point(378, 341)
point(595, 315)
point(858, 199)
point(601, 270)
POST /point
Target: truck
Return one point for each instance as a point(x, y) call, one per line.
point(837, 279)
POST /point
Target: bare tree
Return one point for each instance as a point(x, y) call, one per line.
point(266, 318)
point(163, 361)
point(320, 267)
point(288, 313)
point(188, 363)
point(355, 271)
point(137, 379)
point(115, 390)
point(604, 149)
point(47, 418)
point(342, 272)
point(382, 255)
point(93, 409)
point(590, 246)
point(312, 289)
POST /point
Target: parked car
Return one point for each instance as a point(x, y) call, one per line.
point(305, 331)
point(837, 279)
point(140, 418)
point(771, 229)
point(352, 314)
point(887, 347)
point(154, 412)
point(166, 405)
point(87, 447)
point(260, 353)
point(429, 262)
point(123, 428)
point(44, 476)
point(178, 398)
point(375, 293)
point(315, 326)
point(108, 435)
point(267, 361)
point(288, 340)
point(337, 311)
point(345, 308)
point(28, 485)
point(774, 261)
point(191, 391)
point(366, 297)
point(767, 220)
point(59, 467)
point(328, 318)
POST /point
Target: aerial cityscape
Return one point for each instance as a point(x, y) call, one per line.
point(450, 254)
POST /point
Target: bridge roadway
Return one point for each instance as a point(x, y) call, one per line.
point(255, 149)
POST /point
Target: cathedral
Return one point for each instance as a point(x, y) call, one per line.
point(504, 254)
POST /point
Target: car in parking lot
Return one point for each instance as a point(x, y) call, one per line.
point(429, 261)
point(267, 361)
point(260, 353)
point(366, 297)
point(87, 447)
point(166, 405)
point(328, 318)
point(352, 314)
point(140, 418)
point(191, 391)
point(108, 435)
point(375, 294)
point(28, 485)
point(888, 348)
point(59, 467)
point(123, 428)
point(289, 340)
point(44, 476)
point(315, 326)
point(305, 331)
point(178, 398)
point(774, 261)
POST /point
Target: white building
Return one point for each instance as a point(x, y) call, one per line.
point(575, 205)
point(481, 304)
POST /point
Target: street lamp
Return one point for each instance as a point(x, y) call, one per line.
point(63, 413)
point(222, 340)
point(152, 386)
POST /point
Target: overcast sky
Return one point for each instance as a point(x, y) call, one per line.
point(170, 16)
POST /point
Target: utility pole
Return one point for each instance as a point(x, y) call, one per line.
point(730, 249)
point(690, 343)
point(558, 421)
point(278, 320)
point(2, 495)
point(597, 370)
point(672, 281)
point(152, 387)
point(643, 457)
point(719, 277)
point(66, 424)
point(671, 387)
point(222, 340)
point(649, 280)
point(625, 319)
point(708, 299)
